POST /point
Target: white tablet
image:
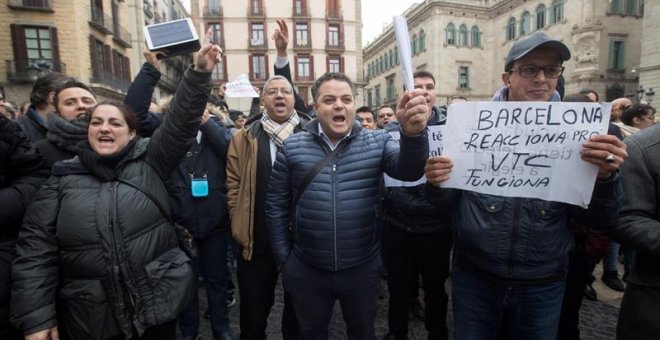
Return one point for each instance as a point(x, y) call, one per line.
point(175, 37)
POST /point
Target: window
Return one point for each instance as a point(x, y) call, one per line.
point(333, 35)
point(382, 64)
point(413, 44)
point(391, 91)
point(396, 55)
point(369, 99)
point(302, 34)
point(378, 100)
point(557, 11)
point(462, 35)
point(38, 44)
point(219, 71)
point(303, 67)
point(335, 64)
point(299, 7)
point(332, 8)
point(540, 16)
point(616, 55)
point(463, 77)
point(525, 23)
point(118, 64)
point(631, 7)
point(258, 67)
point(391, 57)
point(476, 37)
point(99, 60)
point(214, 7)
point(615, 6)
point(451, 34)
point(421, 42)
point(216, 34)
point(257, 34)
point(511, 29)
point(256, 7)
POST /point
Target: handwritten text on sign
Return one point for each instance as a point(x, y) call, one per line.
point(524, 149)
point(435, 149)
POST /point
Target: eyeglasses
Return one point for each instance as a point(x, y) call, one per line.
point(283, 90)
point(531, 71)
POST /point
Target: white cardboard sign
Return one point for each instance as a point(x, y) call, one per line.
point(241, 87)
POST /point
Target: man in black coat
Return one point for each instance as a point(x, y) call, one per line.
point(21, 173)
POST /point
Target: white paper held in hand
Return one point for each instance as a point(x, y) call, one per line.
point(405, 56)
point(241, 87)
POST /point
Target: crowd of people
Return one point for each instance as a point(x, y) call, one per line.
point(94, 195)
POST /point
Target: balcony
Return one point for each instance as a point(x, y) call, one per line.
point(122, 36)
point(256, 12)
point(101, 21)
point(27, 71)
point(213, 12)
point(31, 5)
point(334, 15)
point(110, 79)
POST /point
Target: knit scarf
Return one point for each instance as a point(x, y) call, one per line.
point(66, 134)
point(106, 168)
point(278, 133)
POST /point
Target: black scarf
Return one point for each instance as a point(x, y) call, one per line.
point(106, 168)
point(66, 134)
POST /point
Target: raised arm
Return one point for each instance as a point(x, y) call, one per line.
point(138, 96)
point(281, 38)
point(174, 138)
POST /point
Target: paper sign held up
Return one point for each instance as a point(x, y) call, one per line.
point(241, 87)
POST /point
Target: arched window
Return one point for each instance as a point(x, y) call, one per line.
point(451, 34)
point(413, 44)
point(386, 61)
point(540, 16)
point(524, 23)
point(462, 35)
point(476, 36)
point(391, 57)
point(421, 43)
point(557, 11)
point(511, 29)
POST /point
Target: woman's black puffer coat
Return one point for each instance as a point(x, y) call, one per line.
point(99, 259)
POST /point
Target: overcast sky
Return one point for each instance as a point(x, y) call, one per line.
point(375, 15)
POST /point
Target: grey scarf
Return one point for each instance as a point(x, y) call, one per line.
point(66, 134)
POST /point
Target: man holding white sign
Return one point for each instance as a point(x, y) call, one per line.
point(511, 252)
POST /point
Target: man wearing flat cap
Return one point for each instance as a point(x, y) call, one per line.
point(511, 253)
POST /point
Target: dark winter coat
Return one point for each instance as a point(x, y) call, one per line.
point(99, 259)
point(334, 225)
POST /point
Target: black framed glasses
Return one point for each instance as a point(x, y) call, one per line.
point(531, 71)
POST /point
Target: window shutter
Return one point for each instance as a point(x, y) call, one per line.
point(115, 63)
point(341, 65)
point(127, 68)
point(341, 35)
point(311, 67)
point(57, 66)
point(266, 67)
point(251, 62)
point(107, 59)
point(92, 50)
point(327, 64)
point(18, 43)
point(296, 67)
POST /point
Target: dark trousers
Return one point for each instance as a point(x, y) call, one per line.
point(314, 291)
point(213, 265)
point(579, 274)
point(166, 331)
point(428, 253)
point(7, 254)
point(257, 279)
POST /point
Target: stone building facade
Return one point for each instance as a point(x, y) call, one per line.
point(649, 65)
point(85, 39)
point(323, 35)
point(464, 44)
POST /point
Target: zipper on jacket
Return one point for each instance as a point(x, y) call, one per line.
point(515, 231)
point(334, 210)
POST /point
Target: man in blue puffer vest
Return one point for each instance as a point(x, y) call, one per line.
point(327, 243)
point(511, 253)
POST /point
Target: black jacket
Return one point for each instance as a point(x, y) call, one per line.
point(33, 130)
point(407, 208)
point(98, 258)
point(202, 216)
